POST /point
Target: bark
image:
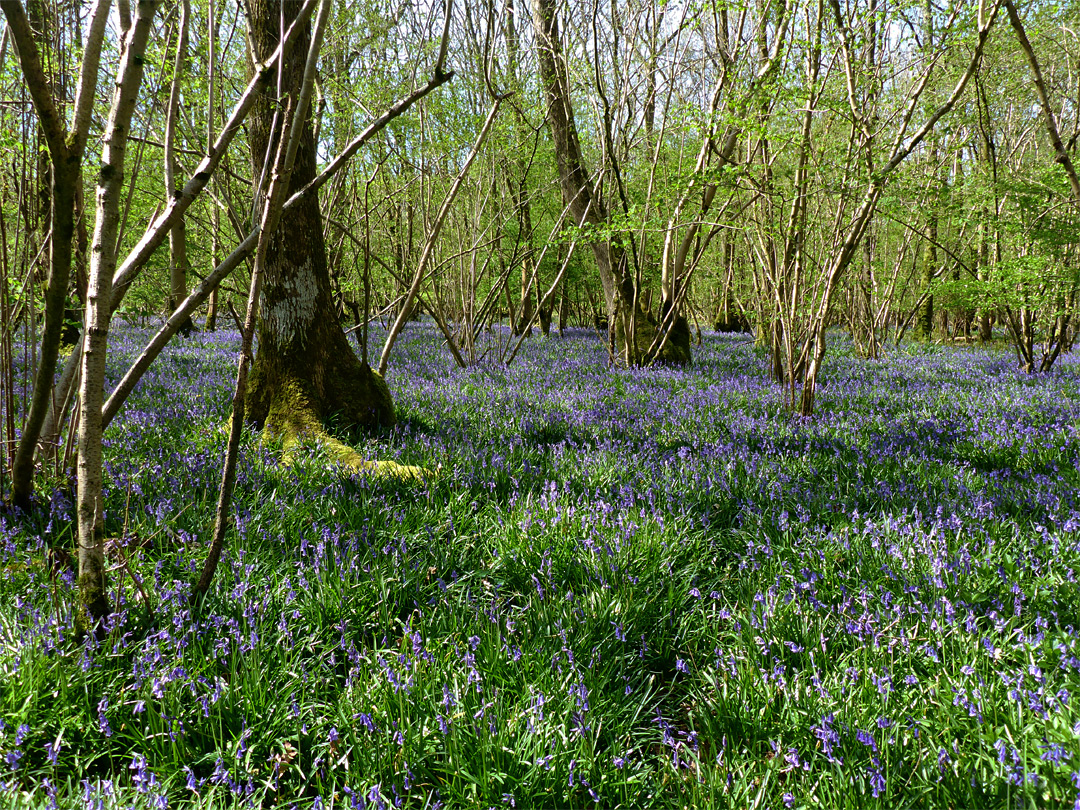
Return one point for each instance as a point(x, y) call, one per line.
point(982, 314)
point(518, 185)
point(215, 215)
point(564, 305)
point(987, 155)
point(305, 370)
point(814, 348)
point(865, 290)
point(586, 208)
point(94, 602)
point(178, 257)
point(522, 323)
point(271, 216)
point(925, 319)
point(162, 225)
point(211, 305)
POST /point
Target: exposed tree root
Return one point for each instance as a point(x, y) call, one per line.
point(320, 443)
point(298, 429)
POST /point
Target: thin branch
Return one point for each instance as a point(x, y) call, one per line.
point(37, 82)
point(444, 44)
point(159, 230)
point(1060, 152)
point(436, 227)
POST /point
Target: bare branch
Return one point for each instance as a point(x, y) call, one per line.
point(444, 45)
point(88, 76)
point(1061, 154)
point(436, 227)
point(159, 230)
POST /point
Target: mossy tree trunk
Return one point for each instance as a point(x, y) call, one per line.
point(305, 370)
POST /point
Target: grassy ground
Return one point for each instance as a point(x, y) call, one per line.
point(624, 588)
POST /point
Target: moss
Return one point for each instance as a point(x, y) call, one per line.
point(676, 350)
point(294, 424)
point(361, 396)
point(319, 386)
point(291, 413)
point(342, 455)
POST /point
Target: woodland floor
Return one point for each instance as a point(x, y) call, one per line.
point(646, 588)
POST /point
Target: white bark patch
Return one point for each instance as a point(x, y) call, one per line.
point(294, 308)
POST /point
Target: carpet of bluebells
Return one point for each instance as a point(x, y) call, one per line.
point(647, 588)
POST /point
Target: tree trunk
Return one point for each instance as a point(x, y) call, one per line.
point(634, 331)
point(518, 185)
point(178, 256)
point(924, 329)
point(92, 594)
point(564, 304)
point(925, 319)
point(574, 180)
point(523, 317)
point(305, 370)
point(178, 267)
point(525, 311)
point(212, 303)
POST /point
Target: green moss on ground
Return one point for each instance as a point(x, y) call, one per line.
point(294, 424)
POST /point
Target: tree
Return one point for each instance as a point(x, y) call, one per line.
point(305, 370)
point(178, 253)
point(99, 296)
point(850, 232)
point(925, 318)
point(1061, 301)
point(631, 329)
point(66, 151)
